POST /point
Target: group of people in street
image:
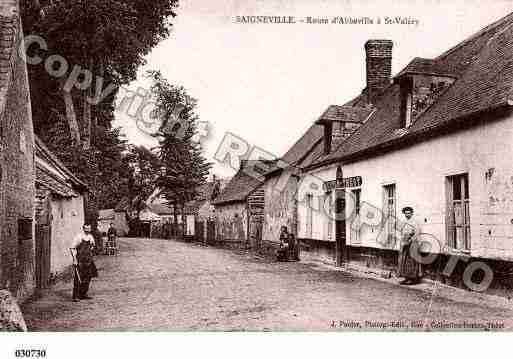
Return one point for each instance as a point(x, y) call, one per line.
point(83, 249)
point(409, 267)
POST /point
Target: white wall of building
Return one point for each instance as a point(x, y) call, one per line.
point(419, 173)
point(67, 220)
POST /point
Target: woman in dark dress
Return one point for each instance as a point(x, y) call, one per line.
point(289, 248)
point(409, 268)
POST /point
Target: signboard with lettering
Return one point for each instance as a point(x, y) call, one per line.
point(345, 182)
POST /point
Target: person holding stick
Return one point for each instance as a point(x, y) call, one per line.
point(84, 267)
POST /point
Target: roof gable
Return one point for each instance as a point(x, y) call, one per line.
point(297, 152)
point(240, 187)
point(345, 113)
point(53, 174)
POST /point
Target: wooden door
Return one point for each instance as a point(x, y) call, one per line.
point(43, 235)
point(199, 230)
point(340, 227)
point(42, 240)
point(211, 231)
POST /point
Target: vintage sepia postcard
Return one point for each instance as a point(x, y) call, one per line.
point(263, 166)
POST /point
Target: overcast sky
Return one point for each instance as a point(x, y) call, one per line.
point(268, 82)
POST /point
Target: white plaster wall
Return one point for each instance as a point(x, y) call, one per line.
point(228, 225)
point(279, 205)
point(320, 219)
point(419, 173)
point(190, 224)
point(67, 221)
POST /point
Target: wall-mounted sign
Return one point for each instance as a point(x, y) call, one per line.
point(345, 182)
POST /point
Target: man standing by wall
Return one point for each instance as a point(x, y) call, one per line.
point(85, 269)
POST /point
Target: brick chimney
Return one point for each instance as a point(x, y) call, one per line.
point(379, 66)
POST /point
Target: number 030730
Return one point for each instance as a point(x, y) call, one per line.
point(30, 353)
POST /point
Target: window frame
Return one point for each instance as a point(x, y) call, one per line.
point(452, 203)
point(391, 225)
point(354, 232)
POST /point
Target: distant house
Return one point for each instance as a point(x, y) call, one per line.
point(207, 195)
point(59, 212)
point(105, 218)
point(157, 212)
point(239, 207)
point(17, 169)
point(122, 216)
point(158, 217)
point(115, 216)
point(202, 210)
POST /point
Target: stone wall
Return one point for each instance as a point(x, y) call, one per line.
point(17, 190)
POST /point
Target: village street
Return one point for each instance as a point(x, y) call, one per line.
point(168, 285)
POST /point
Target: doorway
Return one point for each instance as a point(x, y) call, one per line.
point(340, 227)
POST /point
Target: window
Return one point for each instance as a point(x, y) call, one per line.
point(355, 225)
point(309, 215)
point(356, 199)
point(389, 208)
point(24, 229)
point(458, 212)
point(406, 89)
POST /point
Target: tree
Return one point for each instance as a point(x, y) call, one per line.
point(146, 168)
point(103, 41)
point(184, 168)
point(108, 39)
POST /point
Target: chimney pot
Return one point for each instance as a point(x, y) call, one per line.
point(378, 66)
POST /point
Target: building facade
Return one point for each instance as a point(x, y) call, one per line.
point(59, 213)
point(438, 139)
point(17, 172)
point(239, 209)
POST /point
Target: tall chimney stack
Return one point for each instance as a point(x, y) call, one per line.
point(379, 66)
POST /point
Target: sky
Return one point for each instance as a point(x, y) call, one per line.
point(267, 83)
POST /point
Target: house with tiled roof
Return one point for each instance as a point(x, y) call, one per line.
point(436, 137)
point(208, 192)
point(284, 177)
point(59, 212)
point(17, 170)
point(201, 210)
point(239, 207)
point(118, 216)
